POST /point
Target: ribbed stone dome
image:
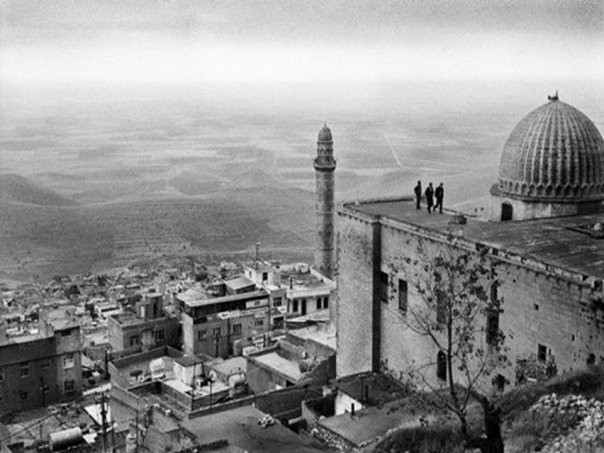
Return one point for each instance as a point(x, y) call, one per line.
point(554, 154)
point(324, 134)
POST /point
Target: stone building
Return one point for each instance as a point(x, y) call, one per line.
point(212, 323)
point(148, 327)
point(550, 267)
point(325, 166)
point(43, 367)
point(296, 290)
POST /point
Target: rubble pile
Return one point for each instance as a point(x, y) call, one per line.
point(577, 423)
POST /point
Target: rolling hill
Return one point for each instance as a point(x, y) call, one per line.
point(39, 241)
point(19, 189)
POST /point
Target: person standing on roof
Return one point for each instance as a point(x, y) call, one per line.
point(418, 194)
point(439, 193)
point(430, 197)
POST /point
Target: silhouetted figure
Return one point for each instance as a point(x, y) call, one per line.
point(430, 197)
point(439, 193)
point(418, 194)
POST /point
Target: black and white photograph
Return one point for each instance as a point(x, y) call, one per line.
point(299, 226)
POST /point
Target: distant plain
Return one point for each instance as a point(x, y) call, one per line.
point(88, 183)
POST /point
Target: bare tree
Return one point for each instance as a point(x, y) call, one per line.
point(457, 311)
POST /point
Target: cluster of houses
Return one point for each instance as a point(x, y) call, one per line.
point(168, 348)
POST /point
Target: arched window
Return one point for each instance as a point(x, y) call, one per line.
point(441, 366)
point(507, 211)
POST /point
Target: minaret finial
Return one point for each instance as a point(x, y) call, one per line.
point(554, 97)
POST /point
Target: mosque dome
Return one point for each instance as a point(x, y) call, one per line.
point(324, 134)
point(554, 154)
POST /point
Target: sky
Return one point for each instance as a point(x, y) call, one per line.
point(329, 42)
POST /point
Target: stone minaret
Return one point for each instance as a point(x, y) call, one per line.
point(325, 165)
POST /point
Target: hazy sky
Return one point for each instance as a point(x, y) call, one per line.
point(182, 41)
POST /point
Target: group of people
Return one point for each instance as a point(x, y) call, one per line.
point(431, 193)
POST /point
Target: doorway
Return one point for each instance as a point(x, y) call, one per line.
point(507, 211)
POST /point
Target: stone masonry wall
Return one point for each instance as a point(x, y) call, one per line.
point(538, 309)
point(355, 295)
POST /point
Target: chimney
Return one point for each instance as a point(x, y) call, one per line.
point(352, 410)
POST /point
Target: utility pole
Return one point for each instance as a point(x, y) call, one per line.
point(211, 393)
point(136, 428)
point(103, 421)
point(106, 373)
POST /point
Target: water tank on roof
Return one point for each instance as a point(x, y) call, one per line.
point(157, 368)
point(236, 379)
point(65, 439)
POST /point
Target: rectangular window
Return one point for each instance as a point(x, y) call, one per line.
point(259, 322)
point(541, 353)
point(441, 366)
point(45, 366)
point(159, 335)
point(277, 301)
point(402, 296)
point(217, 332)
point(237, 329)
point(326, 302)
point(318, 303)
point(383, 287)
point(492, 326)
point(1, 375)
point(500, 382)
point(69, 386)
point(134, 340)
point(278, 323)
point(68, 361)
point(201, 334)
point(24, 370)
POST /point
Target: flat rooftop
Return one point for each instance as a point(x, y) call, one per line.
point(550, 241)
point(240, 427)
point(317, 333)
point(287, 368)
point(127, 318)
point(195, 298)
point(372, 389)
point(229, 366)
point(372, 423)
point(303, 278)
point(239, 283)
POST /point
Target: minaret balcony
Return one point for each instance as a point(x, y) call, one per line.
point(324, 163)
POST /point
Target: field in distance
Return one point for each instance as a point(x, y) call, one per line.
point(86, 186)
